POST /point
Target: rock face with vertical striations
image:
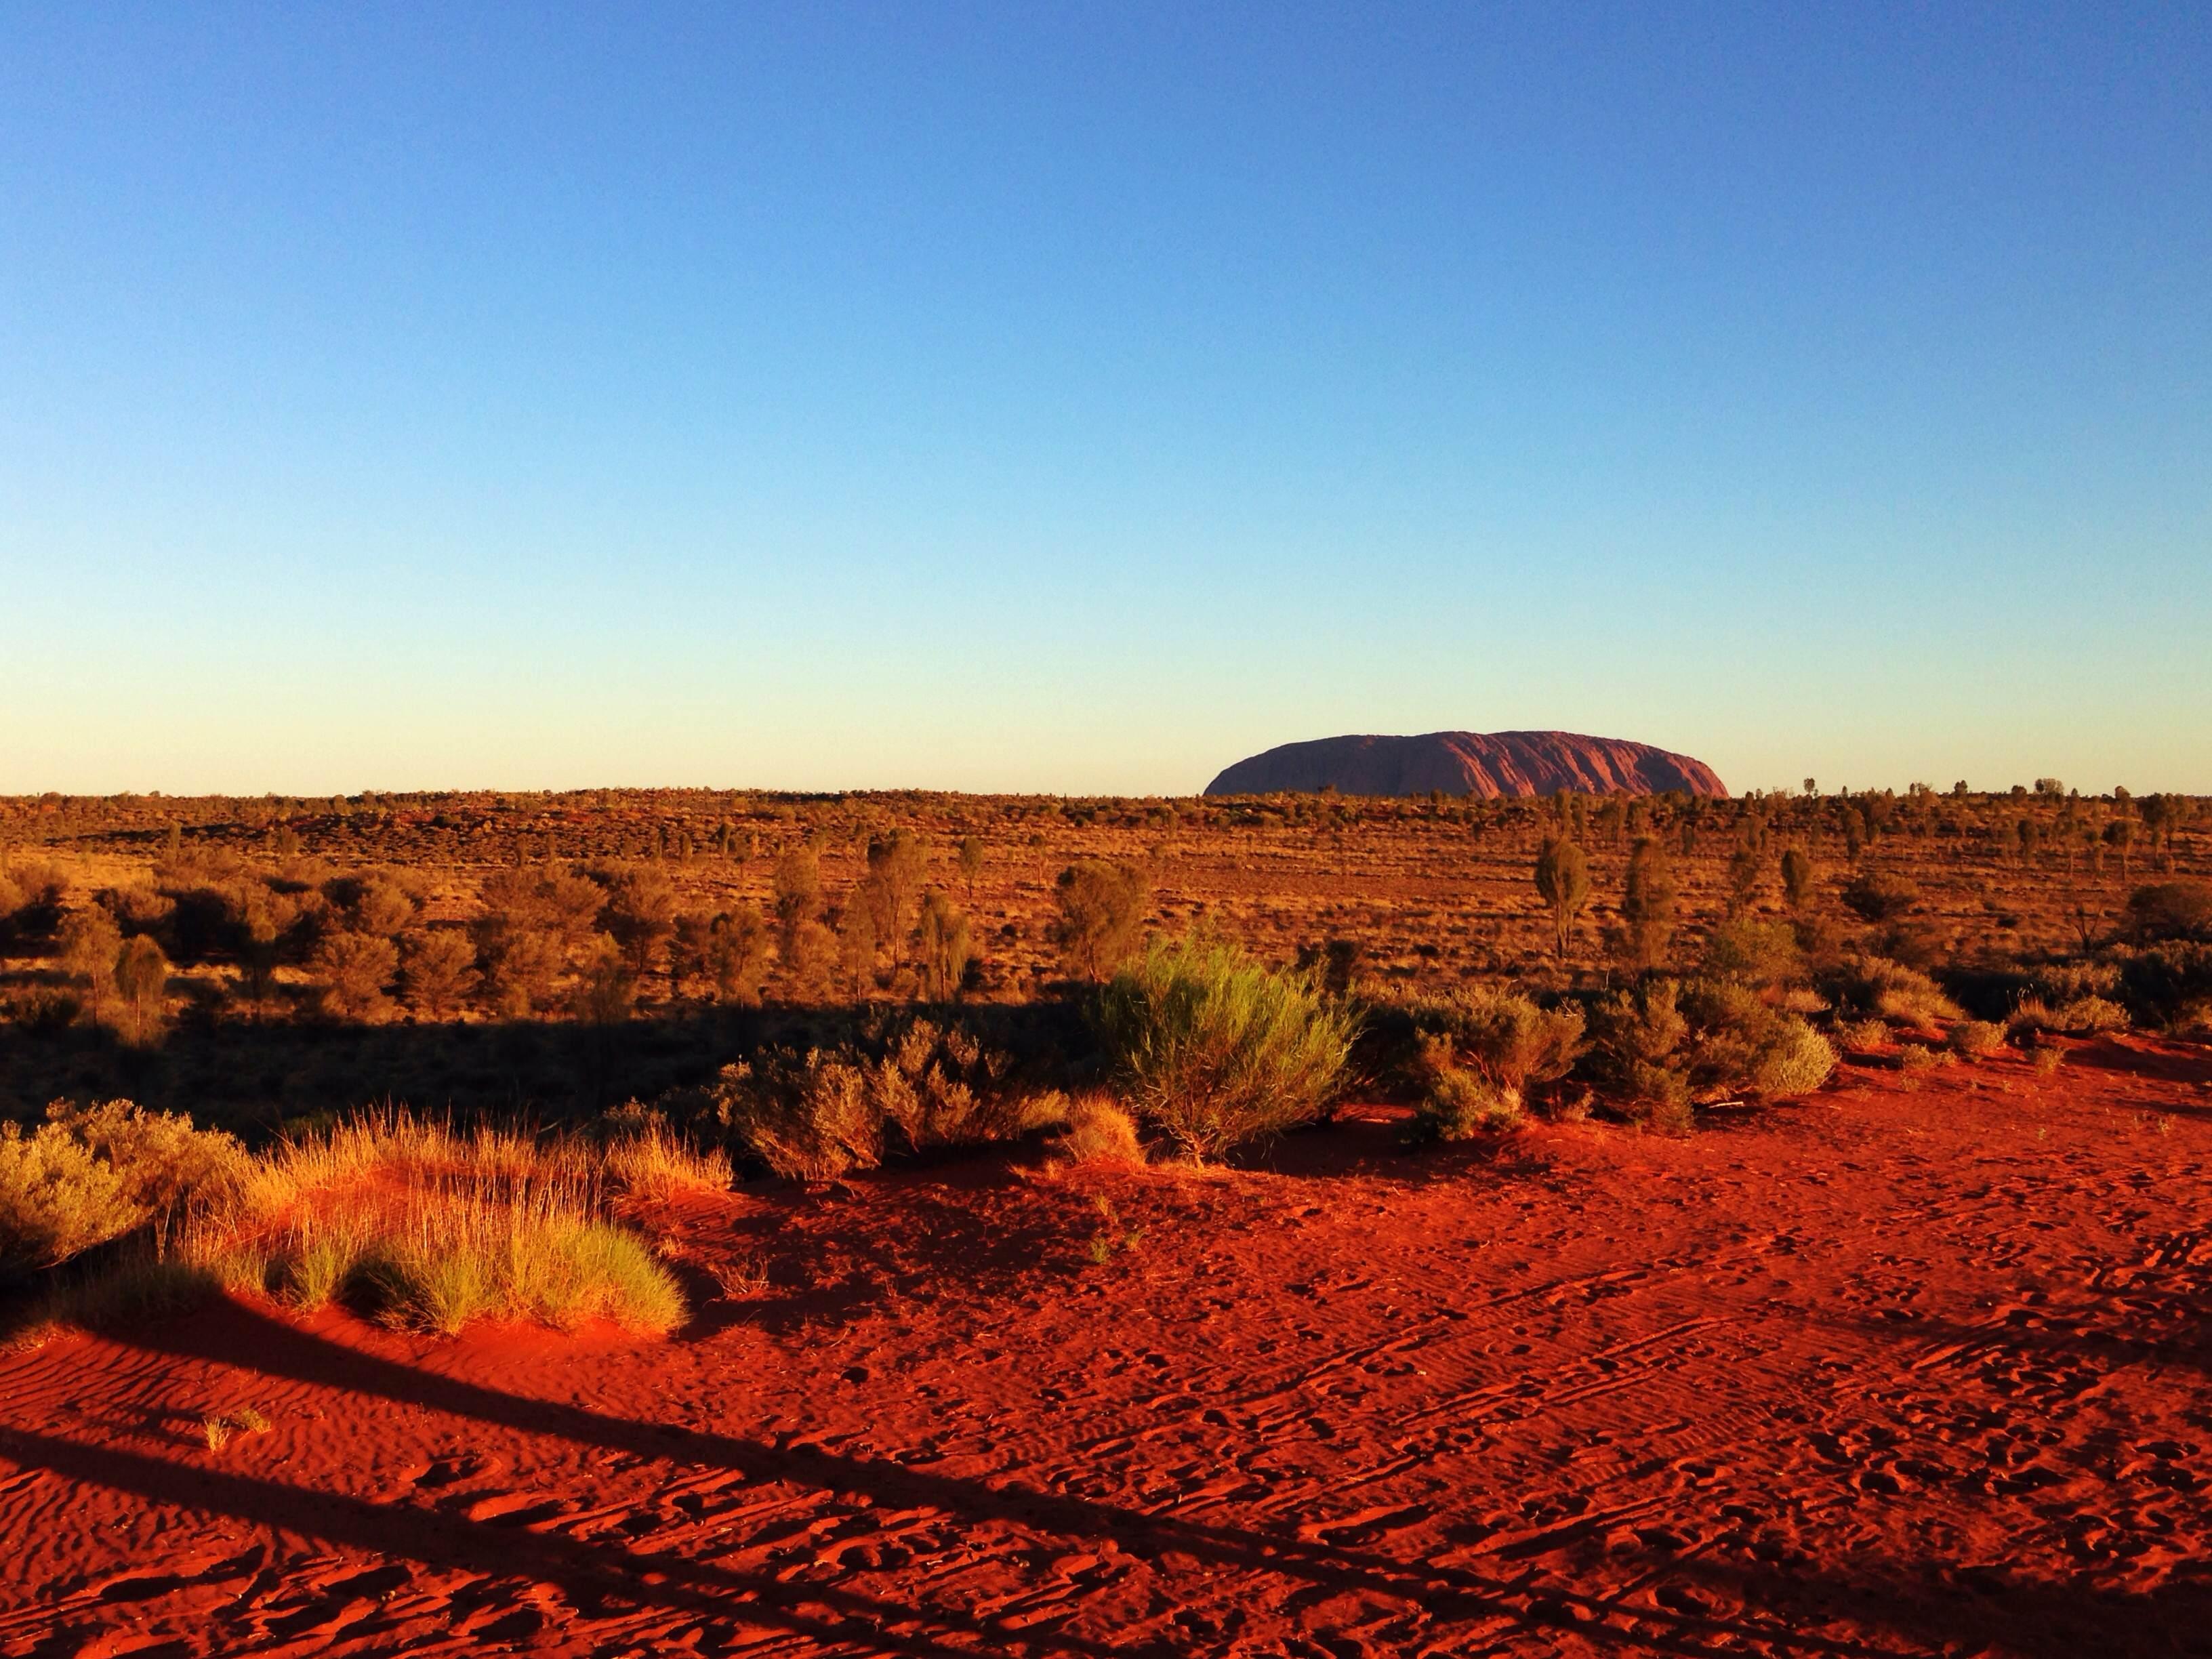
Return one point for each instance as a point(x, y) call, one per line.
point(1487, 764)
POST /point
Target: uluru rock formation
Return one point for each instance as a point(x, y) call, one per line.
point(1488, 764)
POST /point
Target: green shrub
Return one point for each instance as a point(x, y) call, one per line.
point(2171, 910)
point(91, 1174)
point(1975, 1039)
point(1875, 985)
point(908, 1085)
point(57, 1199)
point(805, 1116)
point(1664, 1046)
point(1738, 1040)
point(2164, 984)
point(2082, 1015)
point(1872, 896)
point(1476, 1054)
point(1215, 1050)
point(1635, 1057)
point(1795, 1060)
point(1754, 952)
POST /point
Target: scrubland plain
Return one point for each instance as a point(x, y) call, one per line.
point(634, 1223)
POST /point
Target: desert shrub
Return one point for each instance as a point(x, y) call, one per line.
point(57, 1199)
point(91, 1174)
point(1874, 897)
point(1861, 1036)
point(1664, 1045)
point(1100, 1131)
point(906, 1085)
point(1975, 1039)
point(2171, 910)
point(2167, 985)
point(1634, 1057)
point(355, 970)
point(2065, 982)
point(1477, 1053)
point(1875, 985)
point(1455, 1103)
point(1753, 952)
point(1102, 913)
point(804, 1115)
point(2081, 1016)
point(1738, 1040)
point(1214, 1050)
point(1796, 1060)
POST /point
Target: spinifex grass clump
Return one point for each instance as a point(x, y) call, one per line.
point(1215, 1050)
point(430, 1228)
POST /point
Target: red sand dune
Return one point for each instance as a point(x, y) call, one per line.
point(1886, 1373)
point(1487, 764)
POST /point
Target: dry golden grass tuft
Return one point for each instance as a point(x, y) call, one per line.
point(427, 1227)
point(1100, 1131)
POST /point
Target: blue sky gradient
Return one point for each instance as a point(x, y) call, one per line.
point(1080, 398)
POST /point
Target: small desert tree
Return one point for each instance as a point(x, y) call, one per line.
point(1797, 878)
point(1647, 905)
point(355, 969)
point(797, 891)
point(737, 954)
point(639, 913)
point(142, 982)
point(946, 948)
point(856, 944)
point(1102, 912)
point(896, 865)
point(437, 968)
point(971, 863)
point(2120, 836)
point(1563, 882)
point(1743, 875)
point(89, 945)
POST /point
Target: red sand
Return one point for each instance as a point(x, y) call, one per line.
point(1888, 1373)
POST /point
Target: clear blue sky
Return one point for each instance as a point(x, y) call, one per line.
point(1080, 398)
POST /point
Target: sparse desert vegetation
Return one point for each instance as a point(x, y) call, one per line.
point(1405, 1153)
